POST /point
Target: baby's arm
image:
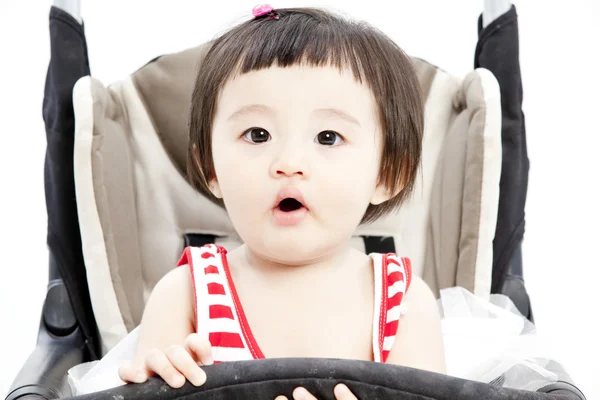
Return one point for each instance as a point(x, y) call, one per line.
point(167, 344)
point(419, 342)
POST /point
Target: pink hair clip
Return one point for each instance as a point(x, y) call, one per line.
point(264, 10)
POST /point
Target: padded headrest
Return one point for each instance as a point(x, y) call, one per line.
point(135, 206)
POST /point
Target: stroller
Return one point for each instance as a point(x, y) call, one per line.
point(120, 213)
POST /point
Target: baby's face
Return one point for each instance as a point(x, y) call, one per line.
point(311, 135)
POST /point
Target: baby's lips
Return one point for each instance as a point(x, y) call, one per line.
point(289, 192)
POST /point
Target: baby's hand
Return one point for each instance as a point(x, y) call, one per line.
point(340, 391)
point(174, 365)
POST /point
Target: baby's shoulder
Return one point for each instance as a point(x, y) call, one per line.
point(173, 296)
point(176, 281)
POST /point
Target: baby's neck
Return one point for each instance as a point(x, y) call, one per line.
point(327, 263)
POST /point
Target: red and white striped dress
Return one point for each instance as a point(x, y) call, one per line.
point(220, 315)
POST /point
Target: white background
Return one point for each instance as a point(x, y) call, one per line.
point(561, 77)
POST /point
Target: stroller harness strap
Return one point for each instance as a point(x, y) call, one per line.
point(220, 317)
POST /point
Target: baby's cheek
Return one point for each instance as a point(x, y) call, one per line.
point(231, 166)
point(363, 167)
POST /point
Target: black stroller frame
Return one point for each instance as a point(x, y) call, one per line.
point(68, 333)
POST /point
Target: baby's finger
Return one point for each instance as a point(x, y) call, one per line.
point(342, 392)
point(301, 393)
point(158, 362)
point(132, 374)
point(199, 348)
point(185, 364)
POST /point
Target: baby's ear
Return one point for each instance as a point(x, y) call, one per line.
point(215, 189)
point(383, 193)
point(213, 184)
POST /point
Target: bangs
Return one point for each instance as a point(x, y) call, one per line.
point(308, 37)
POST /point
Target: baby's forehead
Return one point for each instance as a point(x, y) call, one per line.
point(299, 87)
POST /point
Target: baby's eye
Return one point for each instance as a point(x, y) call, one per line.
point(257, 135)
point(329, 138)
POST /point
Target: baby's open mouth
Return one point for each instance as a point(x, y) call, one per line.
point(289, 208)
point(289, 204)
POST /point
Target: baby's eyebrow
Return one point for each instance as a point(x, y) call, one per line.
point(337, 113)
point(264, 109)
point(251, 109)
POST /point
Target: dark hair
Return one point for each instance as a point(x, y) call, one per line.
point(317, 38)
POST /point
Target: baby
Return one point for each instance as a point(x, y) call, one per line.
point(303, 126)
